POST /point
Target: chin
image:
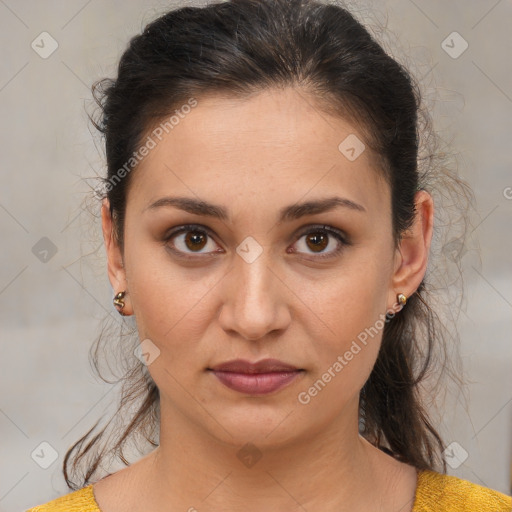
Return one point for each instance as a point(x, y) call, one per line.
point(266, 428)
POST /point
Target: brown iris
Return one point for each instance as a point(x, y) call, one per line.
point(196, 239)
point(319, 240)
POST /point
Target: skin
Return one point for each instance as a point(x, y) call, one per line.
point(254, 157)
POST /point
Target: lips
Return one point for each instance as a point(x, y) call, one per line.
point(263, 366)
point(257, 378)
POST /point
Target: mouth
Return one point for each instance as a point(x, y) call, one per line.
point(259, 378)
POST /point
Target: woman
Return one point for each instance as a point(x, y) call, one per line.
point(267, 225)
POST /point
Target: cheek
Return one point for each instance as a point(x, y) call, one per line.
point(343, 363)
point(352, 311)
point(352, 299)
point(169, 302)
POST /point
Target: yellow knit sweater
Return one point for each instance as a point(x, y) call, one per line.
point(435, 492)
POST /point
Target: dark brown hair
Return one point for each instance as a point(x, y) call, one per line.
point(241, 47)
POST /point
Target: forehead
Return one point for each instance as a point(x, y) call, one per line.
point(273, 144)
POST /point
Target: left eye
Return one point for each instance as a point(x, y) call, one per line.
point(319, 239)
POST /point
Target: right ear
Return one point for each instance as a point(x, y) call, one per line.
point(116, 270)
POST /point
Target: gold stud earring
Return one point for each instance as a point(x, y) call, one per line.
point(119, 302)
point(402, 299)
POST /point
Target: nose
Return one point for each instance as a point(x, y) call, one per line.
point(254, 299)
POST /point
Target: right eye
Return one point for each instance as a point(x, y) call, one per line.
point(190, 239)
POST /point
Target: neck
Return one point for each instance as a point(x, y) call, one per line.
point(335, 469)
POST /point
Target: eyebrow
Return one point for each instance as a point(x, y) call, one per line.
point(288, 213)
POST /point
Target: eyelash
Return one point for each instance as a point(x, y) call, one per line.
point(338, 235)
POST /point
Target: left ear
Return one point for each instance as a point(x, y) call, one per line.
point(411, 256)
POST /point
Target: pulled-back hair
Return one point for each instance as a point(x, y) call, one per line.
point(239, 48)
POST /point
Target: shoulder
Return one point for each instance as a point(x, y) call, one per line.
point(81, 500)
point(437, 492)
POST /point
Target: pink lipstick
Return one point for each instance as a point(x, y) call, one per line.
point(258, 378)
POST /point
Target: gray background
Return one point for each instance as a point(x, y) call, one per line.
point(50, 311)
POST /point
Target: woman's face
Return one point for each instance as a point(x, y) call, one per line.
point(258, 283)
